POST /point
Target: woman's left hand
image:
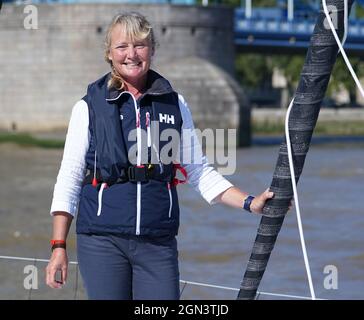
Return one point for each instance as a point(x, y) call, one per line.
point(259, 201)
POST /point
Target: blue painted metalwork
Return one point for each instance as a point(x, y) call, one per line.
point(269, 28)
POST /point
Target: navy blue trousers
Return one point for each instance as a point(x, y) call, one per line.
point(117, 267)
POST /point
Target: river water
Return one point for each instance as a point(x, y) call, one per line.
point(214, 241)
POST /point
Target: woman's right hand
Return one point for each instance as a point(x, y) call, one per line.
point(57, 263)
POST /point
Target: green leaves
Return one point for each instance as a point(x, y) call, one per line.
point(255, 71)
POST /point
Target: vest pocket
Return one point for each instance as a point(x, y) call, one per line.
point(114, 210)
point(158, 208)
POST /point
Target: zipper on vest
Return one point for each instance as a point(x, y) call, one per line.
point(139, 162)
point(170, 199)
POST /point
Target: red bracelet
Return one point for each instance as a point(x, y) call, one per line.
point(53, 242)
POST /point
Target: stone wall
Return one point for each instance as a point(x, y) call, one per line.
point(43, 72)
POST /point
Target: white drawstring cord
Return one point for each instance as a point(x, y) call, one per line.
point(161, 170)
point(95, 167)
point(103, 186)
point(147, 124)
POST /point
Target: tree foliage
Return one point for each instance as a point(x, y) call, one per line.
point(253, 70)
point(291, 66)
point(341, 77)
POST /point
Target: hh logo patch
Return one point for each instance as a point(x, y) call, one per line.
point(166, 118)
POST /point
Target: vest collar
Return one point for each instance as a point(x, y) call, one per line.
point(156, 85)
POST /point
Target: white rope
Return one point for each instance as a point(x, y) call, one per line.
point(258, 293)
point(209, 285)
point(297, 205)
point(294, 186)
point(30, 259)
point(343, 53)
point(182, 281)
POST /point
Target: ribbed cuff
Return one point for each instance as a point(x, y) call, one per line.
point(215, 190)
point(63, 206)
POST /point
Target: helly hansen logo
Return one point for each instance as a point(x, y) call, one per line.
point(166, 118)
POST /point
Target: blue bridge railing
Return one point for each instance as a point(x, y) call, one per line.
point(272, 30)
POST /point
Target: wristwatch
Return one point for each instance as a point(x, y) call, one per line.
point(247, 203)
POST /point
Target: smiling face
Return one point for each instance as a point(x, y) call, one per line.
point(131, 58)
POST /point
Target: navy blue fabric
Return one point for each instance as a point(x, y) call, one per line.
point(119, 201)
point(104, 118)
point(129, 267)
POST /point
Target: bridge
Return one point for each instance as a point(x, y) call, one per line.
point(285, 28)
point(288, 29)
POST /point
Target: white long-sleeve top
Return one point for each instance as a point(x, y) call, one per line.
point(201, 175)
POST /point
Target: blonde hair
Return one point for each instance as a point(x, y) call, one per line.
point(136, 27)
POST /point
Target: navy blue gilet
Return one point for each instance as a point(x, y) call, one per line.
point(138, 208)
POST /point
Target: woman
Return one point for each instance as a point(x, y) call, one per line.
point(128, 213)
